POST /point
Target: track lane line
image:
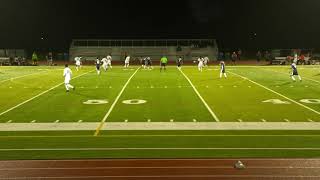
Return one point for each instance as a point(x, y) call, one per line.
point(98, 129)
point(203, 101)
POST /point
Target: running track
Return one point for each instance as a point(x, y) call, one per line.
point(156, 169)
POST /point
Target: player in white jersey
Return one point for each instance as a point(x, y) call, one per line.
point(109, 60)
point(98, 63)
point(104, 64)
point(67, 73)
point(206, 61)
point(78, 63)
point(200, 64)
point(223, 69)
point(127, 62)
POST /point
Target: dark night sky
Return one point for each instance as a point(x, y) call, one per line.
point(278, 23)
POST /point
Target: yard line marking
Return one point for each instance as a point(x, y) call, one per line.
point(40, 94)
point(310, 79)
point(10, 79)
point(114, 104)
point(203, 101)
point(302, 105)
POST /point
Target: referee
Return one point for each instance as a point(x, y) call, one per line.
point(163, 63)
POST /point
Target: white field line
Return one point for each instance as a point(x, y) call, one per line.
point(310, 79)
point(34, 97)
point(163, 177)
point(163, 135)
point(302, 105)
point(203, 101)
point(18, 77)
point(155, 167)
point(114, 104)
point(164, 148)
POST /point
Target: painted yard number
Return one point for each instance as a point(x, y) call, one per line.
point(96, 102)
point(278, 101)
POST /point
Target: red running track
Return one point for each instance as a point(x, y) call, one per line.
point(156, 169)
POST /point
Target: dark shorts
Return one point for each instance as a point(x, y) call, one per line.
point(295, 73)
point(98, 67)
point(223, 70)
point(163, 64)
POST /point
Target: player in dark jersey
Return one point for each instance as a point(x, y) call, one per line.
point(148, 63)
point(98, 63)
point(295, 72)
point(223, 69)
point(179, 62)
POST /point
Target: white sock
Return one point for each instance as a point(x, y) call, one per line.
point(67, 88)
point(293, 78)
point(225, 75)
point(299, 77)
point(70, 86)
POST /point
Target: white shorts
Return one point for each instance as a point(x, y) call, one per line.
point(67, 80)
point(200, 65)
point(78, 63)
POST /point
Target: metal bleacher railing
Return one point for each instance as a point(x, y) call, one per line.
point(155, 48)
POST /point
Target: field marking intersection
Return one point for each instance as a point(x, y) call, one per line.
point(114, 104)
point(200, 97)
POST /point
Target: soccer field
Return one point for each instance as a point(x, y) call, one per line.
point(128, 113)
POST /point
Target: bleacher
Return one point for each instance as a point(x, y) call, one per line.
point(8, 56)
point(172, 48)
